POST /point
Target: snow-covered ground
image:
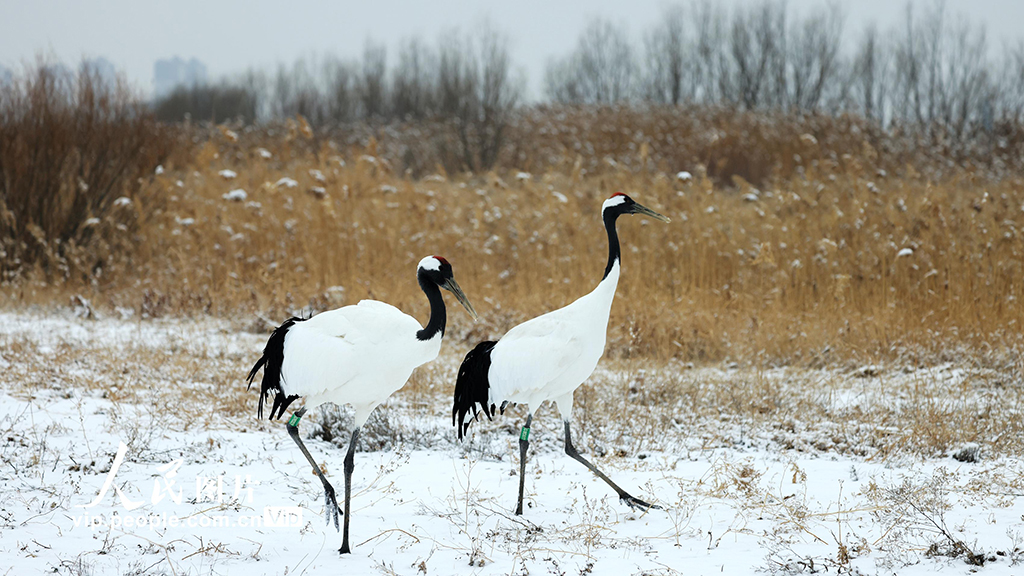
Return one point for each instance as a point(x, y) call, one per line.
point(201, 489)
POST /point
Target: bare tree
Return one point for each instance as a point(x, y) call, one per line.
point(915, 66)
point(282, 92)
point(477, 94)
point(411, 87)
point(709, 36)
point(667, 59)
point(965, 78)
point(373, 81)
point(599, 71)
point(255, 83)
point(756, 47)
point(941, 73)
point(813, 58)
point(341, 97)
point(1012, 84)
point(306, 95)
point(870, 81)
point(456, 78)
point(561, 83)
point(499, 94)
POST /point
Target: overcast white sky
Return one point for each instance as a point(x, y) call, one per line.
point(230, 36)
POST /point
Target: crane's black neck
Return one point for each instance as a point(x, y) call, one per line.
point(438, 316)
point(613, 241)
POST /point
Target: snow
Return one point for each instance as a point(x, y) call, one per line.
point(684, 176)
point(808, 139)
point(237, 195)
point(523, 176)
point(732, 508)
point(286, 182)
point(227, 174)
point(905, 252)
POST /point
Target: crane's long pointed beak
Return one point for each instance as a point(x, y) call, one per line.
point(452, 286)
point(641, 209)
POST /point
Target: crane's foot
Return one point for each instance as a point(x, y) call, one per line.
point(345, 549)
point(635, 503)
point(331, 509)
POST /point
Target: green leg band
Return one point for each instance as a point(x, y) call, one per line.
point(525, 434)
point(294, 420)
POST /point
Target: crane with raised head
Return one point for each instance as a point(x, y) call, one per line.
point(548, 357)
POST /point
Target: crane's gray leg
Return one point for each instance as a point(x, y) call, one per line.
point(330, 502)
point(350, 465)
point(623, 495)
point(524, 445)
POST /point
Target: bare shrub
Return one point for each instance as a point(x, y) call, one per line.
point(71, 145)
point(386, 429)
point(917, 512)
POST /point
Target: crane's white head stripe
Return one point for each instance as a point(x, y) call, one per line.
point(613, 201)
point(430, 263)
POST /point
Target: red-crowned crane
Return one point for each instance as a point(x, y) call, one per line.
point(356, 355)
point(548, 357)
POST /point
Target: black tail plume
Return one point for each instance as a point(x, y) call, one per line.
point(271, 362)
point(472, 387)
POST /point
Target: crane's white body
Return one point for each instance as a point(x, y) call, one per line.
point(356, 355)
point(548, 357)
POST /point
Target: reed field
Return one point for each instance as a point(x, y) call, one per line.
point(832, 257)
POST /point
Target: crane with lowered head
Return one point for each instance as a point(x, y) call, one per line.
point(356, 355)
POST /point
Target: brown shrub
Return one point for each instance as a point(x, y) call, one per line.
point(70, 146)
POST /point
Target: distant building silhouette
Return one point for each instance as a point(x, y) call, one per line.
point(171, 73)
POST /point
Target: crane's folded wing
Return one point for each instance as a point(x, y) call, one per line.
point(336, 347)
point(530, 357)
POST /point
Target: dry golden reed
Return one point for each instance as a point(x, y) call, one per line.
point(829, 260)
